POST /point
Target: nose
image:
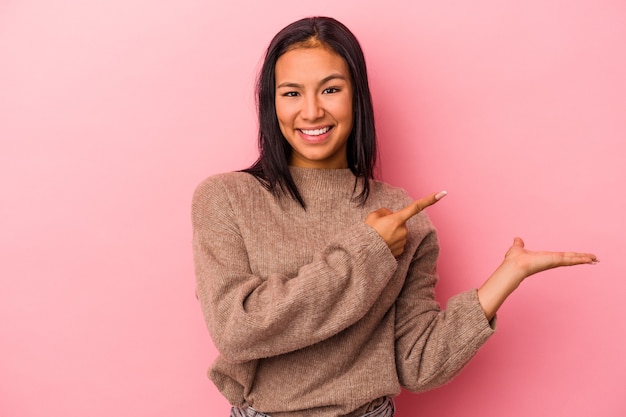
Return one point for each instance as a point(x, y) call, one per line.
point(312, 108)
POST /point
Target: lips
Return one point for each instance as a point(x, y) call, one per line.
point(315, 135)
point(315, 132)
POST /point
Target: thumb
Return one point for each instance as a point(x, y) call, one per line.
point(518, 242)
point(377, 214)
point(518, 245)
point(381, 212)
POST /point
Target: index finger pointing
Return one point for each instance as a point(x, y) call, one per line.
point(418, 205)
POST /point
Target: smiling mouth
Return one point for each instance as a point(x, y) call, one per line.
point(315, 132)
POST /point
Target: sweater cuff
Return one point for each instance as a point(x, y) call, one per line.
point(377, 244)
point(475, 316)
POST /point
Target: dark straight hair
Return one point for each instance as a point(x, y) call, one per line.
point(272, 167)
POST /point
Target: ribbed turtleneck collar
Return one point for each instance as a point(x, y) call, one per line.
point(316, 183)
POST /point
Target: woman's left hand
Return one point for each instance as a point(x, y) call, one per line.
point(530, 262)
point(520, 263)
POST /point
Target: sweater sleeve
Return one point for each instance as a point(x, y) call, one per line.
point(250, 316)
point(433, 345)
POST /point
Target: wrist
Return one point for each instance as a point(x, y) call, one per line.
point(505, 279)
point(510, 274)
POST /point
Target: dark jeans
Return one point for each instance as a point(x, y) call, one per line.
point(386, 409)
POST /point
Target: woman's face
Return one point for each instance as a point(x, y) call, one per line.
point(314, 106)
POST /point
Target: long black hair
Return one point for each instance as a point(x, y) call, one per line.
point(272, 167)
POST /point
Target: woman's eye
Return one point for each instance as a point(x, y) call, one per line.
point(290, 94)
point(330, 90)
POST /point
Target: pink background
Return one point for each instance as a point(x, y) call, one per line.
point(111, 111)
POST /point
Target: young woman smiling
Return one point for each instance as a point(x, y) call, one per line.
point(316, 280)
point(314, 106)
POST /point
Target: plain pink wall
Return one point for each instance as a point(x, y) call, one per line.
point(111, 111)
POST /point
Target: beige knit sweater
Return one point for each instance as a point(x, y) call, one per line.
point(310, 311)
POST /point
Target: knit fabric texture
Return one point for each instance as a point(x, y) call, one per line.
point(311, 313)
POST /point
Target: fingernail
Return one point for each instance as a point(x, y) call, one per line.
point(441, 195)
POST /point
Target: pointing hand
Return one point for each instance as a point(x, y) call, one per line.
point(392, 226)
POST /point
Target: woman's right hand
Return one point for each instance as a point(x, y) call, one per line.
point(392, 226)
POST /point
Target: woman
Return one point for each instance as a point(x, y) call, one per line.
point(317, 281)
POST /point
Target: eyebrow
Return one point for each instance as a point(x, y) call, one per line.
point(322, 82)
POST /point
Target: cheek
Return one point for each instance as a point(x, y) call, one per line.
point(282, 114)
point(283, 121)
point(347, 113)
point(346, 105)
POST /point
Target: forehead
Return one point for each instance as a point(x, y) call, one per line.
point(310, 63)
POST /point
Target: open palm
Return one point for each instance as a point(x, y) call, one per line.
point(530, 262)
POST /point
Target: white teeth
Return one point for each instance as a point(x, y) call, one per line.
point(315, 132)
